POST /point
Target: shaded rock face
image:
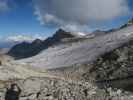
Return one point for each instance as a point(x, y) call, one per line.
point(24, 50)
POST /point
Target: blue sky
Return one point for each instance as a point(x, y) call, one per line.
point(20, 19)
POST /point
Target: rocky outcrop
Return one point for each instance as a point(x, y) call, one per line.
point(114, 68)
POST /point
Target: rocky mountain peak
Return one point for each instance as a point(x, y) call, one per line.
point(37, 41)
point(25, 49)
point(61, 34)
point(60, 31)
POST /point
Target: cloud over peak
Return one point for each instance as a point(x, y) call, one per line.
point(73, 14)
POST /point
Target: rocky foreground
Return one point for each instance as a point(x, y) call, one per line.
point(57, 89)
point(36, 85)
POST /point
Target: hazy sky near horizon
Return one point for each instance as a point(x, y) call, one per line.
point(43, 17)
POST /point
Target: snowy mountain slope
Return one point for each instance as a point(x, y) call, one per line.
point(86, 51)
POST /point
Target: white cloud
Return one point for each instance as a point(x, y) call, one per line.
point(21, 38)
point(73, 14)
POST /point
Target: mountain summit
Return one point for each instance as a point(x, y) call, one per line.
point(61, 34)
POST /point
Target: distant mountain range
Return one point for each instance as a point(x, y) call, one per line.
point(25, 49)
